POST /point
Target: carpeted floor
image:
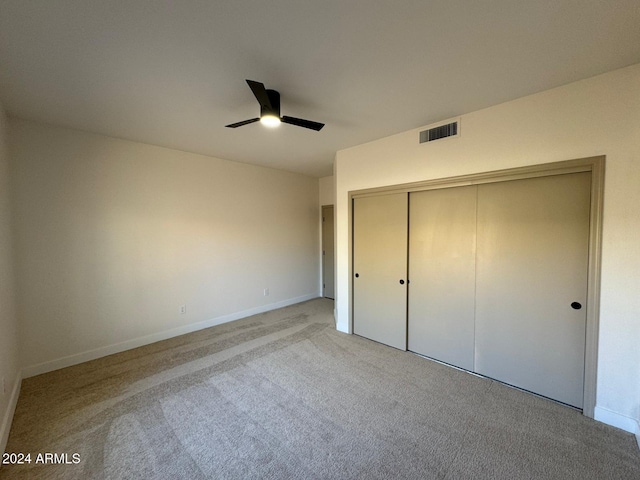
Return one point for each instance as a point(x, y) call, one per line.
point(283, 395)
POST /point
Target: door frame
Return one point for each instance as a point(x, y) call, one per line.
point(595, 165)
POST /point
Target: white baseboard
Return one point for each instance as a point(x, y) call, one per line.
point(75, 359)
point(617, 420)
point(8, 415)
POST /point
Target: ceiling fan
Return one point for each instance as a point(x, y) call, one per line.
point(269, 101)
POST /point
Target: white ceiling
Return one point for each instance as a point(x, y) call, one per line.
point(172, 73)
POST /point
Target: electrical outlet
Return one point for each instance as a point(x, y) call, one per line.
point(266, 292)
point(183, 309)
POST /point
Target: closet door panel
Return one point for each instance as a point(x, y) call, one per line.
point(442, 250)
point(380, 268)
point(532, 259)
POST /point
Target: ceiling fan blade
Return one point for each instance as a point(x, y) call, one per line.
point(261, 94)
point(240, 124)
point(299, 122)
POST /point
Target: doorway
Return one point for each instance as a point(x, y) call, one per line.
point(328, 281)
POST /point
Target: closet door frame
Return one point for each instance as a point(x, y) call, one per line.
point(595, 165)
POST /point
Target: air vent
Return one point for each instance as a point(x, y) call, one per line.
point(436, 133)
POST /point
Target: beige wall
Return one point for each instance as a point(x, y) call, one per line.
point(597, 116)
point(327, 190)
point(9, 366)
point(113, 236)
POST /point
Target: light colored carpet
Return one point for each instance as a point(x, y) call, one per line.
point(284, 395)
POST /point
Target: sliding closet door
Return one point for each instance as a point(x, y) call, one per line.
point(442, 255)
point(532, 253)
point(380, 268)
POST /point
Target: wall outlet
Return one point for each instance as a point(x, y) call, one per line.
point(183, 309)
point(266, 292)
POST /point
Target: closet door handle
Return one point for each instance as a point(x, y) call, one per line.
point(357, 275)
point(401, 282)
point(576, 305)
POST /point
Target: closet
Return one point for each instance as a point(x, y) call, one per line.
point(490, 277)
point(442, 272)
point(380, 253)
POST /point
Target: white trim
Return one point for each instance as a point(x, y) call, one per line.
point(617, 420)
point(8, 415)
point(77, 358)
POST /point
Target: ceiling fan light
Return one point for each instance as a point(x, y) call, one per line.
point(270, 120)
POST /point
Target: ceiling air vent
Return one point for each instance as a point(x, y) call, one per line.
point(436, 133)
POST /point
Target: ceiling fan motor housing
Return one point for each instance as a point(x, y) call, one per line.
point(274, 108)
